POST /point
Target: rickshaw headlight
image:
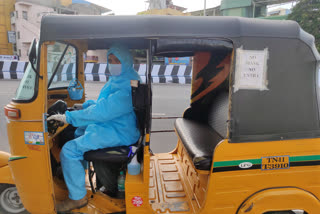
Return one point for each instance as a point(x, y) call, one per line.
point(12, 113)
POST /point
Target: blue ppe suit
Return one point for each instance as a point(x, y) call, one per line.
point(108, 122)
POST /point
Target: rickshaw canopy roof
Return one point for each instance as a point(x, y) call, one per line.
point(139, 28)
point(285, 108)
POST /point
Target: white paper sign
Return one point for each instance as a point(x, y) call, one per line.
point(12, 37)
point(251, 69)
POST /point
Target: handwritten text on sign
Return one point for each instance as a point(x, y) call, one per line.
point(251, 68)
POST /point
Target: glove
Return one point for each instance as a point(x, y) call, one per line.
point(58, 117)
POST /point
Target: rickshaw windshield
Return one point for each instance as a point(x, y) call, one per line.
point(61, 65)
point(26, 90)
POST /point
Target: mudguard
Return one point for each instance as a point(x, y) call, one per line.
point(5, 173)
point(4, 158)
point(280, 199)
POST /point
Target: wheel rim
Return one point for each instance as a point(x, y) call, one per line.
point(10, 200)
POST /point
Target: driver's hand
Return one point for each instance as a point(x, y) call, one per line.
point(58, 117)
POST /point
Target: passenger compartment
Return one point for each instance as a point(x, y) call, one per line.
point(182, 177)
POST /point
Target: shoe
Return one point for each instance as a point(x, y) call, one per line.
point(68, 204)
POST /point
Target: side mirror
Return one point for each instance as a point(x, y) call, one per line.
point(33, 52)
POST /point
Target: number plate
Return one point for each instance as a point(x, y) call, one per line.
point(275, 162)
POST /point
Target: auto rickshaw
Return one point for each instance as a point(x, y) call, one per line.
point(248, 143)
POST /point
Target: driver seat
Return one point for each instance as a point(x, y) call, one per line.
point(121, 155)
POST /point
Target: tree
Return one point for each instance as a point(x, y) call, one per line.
point(307, 14)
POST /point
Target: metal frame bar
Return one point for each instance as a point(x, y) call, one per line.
point(148, 80)
point(59, 63)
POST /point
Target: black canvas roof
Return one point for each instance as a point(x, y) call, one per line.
point(65, 27)
point(288, 109)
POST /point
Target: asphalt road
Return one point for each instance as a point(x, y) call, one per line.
point(168, 100)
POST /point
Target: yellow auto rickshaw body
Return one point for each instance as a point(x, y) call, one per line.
point(247, 172)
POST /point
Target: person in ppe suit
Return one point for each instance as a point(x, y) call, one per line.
point(107, 122)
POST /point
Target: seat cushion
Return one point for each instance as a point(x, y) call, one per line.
point(199, 140)
point(117, 154)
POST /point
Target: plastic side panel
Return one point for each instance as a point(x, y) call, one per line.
point(240, 170)
point(288, 109)
point(279, 200)
point(5, 175)
point(4, 157)
point(34, 188)
point(137, 188)
point(32, 174)
point(197, 179)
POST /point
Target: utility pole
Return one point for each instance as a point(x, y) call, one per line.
point(254, 9)
point(204, 10)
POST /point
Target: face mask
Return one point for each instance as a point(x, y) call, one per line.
point(115, 69)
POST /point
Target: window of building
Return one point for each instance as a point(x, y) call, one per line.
point(17, 14)
point(25, 15)
point(15, 47)
point(19, 52)
point(18, 34)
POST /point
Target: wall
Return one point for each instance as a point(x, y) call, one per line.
point(260, 11)
point(180, 74)
point(101, 54)
point(243, 8)
point(65, 2)
point(6, 6)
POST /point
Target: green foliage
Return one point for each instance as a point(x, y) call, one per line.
point(307, 14)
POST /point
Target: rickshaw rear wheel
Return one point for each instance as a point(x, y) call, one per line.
point(10, 201)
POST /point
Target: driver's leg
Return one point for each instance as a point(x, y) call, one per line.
point(71, 156)
point(74, 176)
point(73, 170)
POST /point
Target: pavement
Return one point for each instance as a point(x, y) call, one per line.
point(169, 100)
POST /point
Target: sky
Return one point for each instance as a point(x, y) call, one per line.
point(132, 7)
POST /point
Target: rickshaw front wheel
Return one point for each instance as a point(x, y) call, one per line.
point(10, 201)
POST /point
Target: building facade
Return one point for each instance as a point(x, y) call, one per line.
point(20, 21)
point(279, 12)
point(214, 11)
point(243, 8)
point(163, 5)
point(25, 21)
point(6, 48)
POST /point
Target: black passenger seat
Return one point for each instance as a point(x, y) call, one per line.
point(200, 139)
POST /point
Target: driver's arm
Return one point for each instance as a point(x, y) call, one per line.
point(109, 108)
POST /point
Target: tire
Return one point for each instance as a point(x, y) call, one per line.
point(10, 202)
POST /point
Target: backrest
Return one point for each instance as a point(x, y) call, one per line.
point(218, 113)
point(140, 103)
